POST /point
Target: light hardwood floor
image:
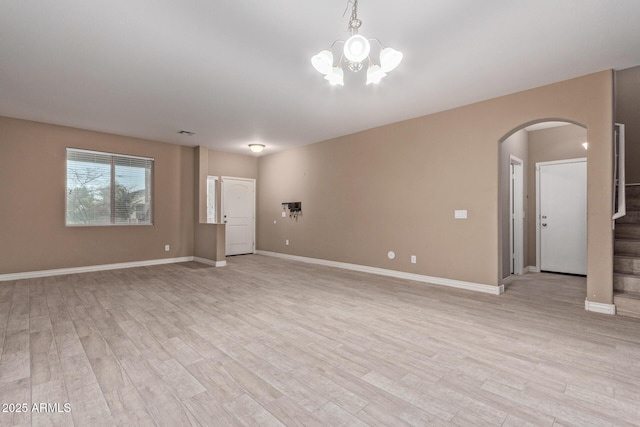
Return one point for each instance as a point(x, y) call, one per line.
point(266, 341)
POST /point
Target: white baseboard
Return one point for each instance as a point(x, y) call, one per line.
point(92, 268)
point(598, 307)
point(531, 269)
point(470, 286)
point(210, 262)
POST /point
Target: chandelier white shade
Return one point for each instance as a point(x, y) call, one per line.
point(356, 48)
point(375, 74)
point(389, 59)
point(323, 62)
point(335, 76)
point(356, 55)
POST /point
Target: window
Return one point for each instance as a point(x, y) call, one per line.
point(211, 199)
point(108, 189)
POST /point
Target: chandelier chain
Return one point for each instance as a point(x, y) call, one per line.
point(354, 22)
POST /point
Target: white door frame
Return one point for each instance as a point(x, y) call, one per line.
point(222, 178)
point(538, 229)
point(516, 214)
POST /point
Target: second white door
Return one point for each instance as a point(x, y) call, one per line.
point(562, 203)
point(238, 213)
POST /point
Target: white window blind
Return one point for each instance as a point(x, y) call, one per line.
point(108, 189)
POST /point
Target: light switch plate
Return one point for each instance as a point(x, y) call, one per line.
point(284, 214)
point(460, 214)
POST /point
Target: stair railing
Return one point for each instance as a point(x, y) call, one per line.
point(619, 172)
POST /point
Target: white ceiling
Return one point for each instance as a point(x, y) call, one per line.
point(239, 71)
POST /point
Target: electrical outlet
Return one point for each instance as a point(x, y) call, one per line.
point(286, 242)
point(413, 259)
point(284, 214)
point(167, 248)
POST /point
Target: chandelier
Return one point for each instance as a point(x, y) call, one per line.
point(355, 55)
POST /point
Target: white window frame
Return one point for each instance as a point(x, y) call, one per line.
point(212, 183)
point(112, 221)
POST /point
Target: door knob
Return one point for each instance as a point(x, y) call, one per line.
point(544, 224)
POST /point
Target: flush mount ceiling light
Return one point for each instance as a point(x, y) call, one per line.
point(256, 148)
point(355, 54)
point(186, 132)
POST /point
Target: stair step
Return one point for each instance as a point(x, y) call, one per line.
point(626, 264)
point(632, 196)
point(626, 282)
point(627, 304)
point(632, 191)
point(627, 231)
point(632, 217)
point(630, 247)
point(633, 203)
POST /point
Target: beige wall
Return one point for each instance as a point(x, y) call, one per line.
point(201, 172)
point(516, 145)
point(395, 187)
point(545, 145)
point(209, 242)
point(33, 235)
point(206, 236)
point(628, 113)
point(234, 165)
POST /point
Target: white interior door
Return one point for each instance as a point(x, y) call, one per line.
point(238, 213)
point(562, 216)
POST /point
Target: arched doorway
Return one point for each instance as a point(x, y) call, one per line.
point(545, 140)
